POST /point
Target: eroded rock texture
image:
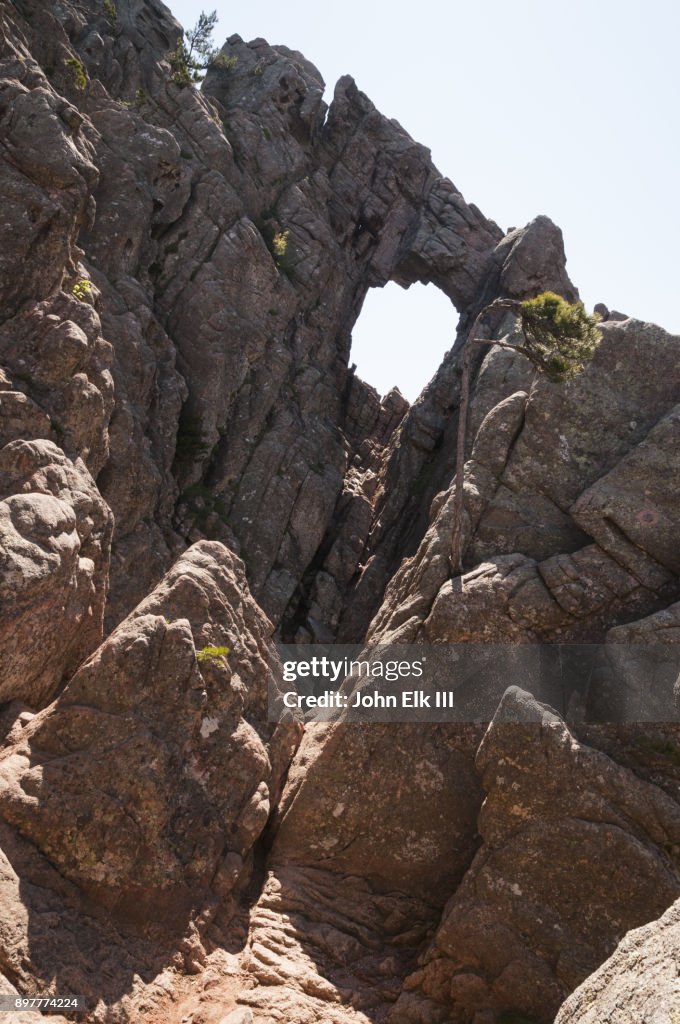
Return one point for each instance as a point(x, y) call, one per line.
point(576, 850)
point(230, 361)
point(639, 983)
point(180, 273)
point(55, 540)
point(153, 743)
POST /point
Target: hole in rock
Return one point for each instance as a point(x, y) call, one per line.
point(401, 336)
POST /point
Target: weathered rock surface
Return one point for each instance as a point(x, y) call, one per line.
point(532, 504)
point(51, 942)
point(639, 984)
point(576, 851)
point(347, 904)
point(320, 950)
point(55, 538)
point(635, 505)
point(180, 274)
point(180, 201)
point(155, 765)
point(423, 819)
point(640, 682)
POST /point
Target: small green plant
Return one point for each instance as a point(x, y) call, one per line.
point(280, 244)
point(211, 653)
point(200, 50)
point(110, 11)
point(283, 252)
point(82, 289)
point(140, 97)
point(224, 62)
point(78, 71)
point(181, 75)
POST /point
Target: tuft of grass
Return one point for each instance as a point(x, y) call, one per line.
point(211, 653)
point(224, 62)
point(282, 251)
point(82, 289)
point(280, 244)
point(77, 69)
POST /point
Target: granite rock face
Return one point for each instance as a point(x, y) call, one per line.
point(230, 397)
point(55, 540)
point(424, 818)
point(576, 850)
point(188, 462)
point(155, 742)
point(638, 984)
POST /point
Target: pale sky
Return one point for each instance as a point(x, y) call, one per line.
point(528, 106)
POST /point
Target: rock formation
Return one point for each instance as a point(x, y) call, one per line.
point(639, 983)
point(571, 859)
point(190, 468)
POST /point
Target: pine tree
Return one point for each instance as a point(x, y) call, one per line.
point(195, 51)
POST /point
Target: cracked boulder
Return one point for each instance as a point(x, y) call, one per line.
point(346, 810)
point(576, 851)
point(55, 537)
point(574, 434)
point(635, 506)
point(150, 777)
point(575, 462)
point(639, 681)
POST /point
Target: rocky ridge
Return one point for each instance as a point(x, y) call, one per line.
point(189, 464)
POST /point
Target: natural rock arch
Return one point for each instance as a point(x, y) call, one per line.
point(401, 336)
